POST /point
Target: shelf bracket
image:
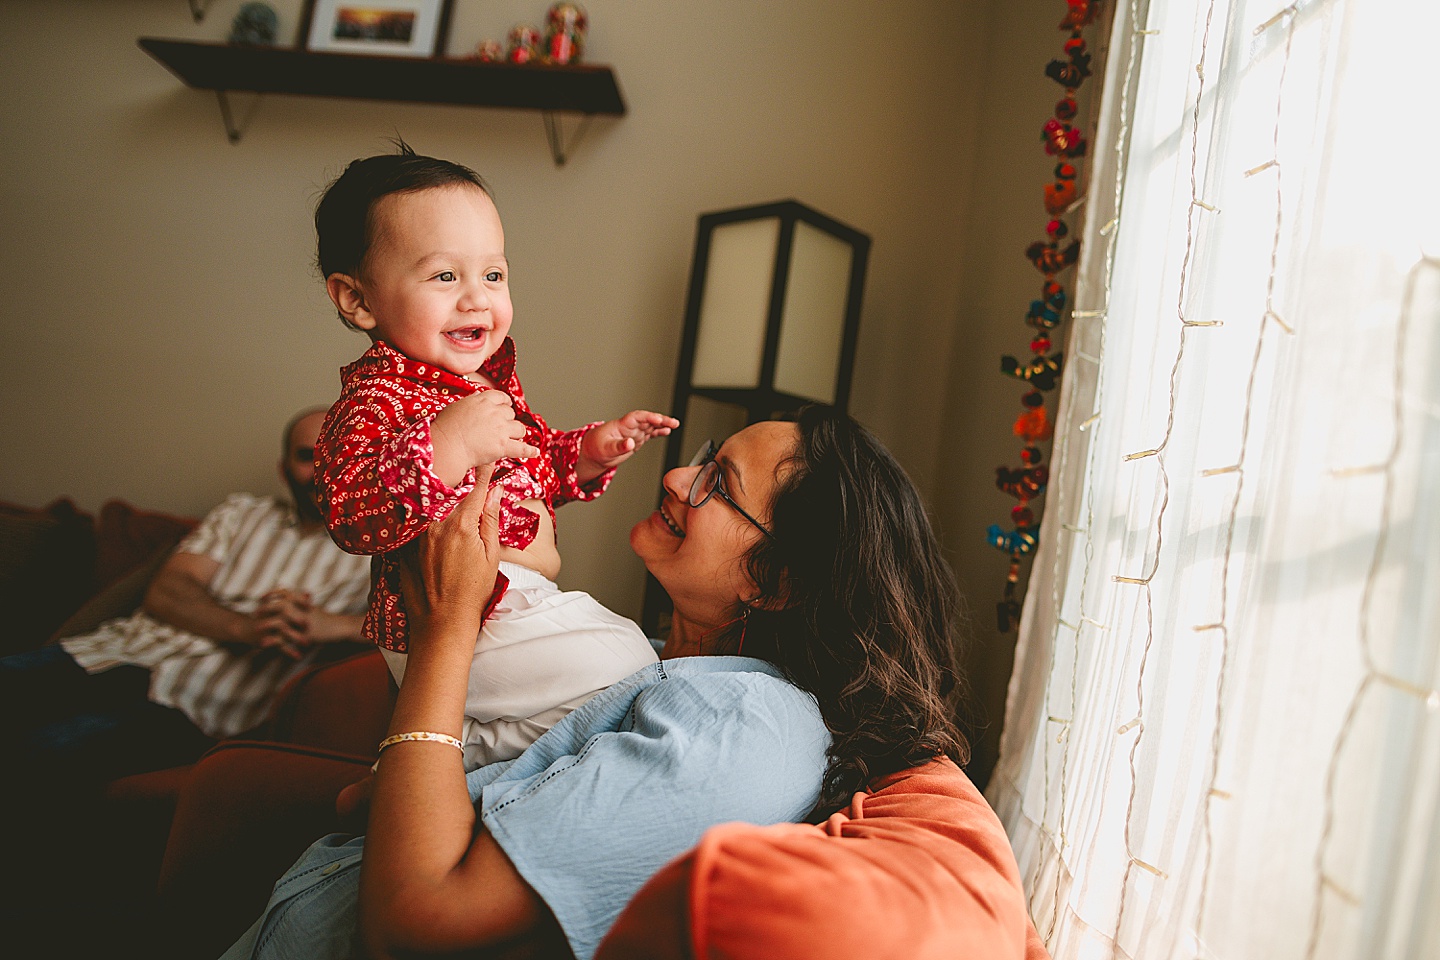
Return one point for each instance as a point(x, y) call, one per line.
point(555, 134)
point(197, 9)
point(235, 130)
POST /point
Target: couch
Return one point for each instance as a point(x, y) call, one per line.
point(63, 572)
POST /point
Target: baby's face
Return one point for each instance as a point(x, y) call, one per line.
point(436, 281)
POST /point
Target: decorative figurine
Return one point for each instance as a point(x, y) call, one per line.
point(524, 44)
point(254, 25)
point(490, 51)
point(565, 25)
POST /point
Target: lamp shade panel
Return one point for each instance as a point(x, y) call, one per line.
point(739, 274)
point(812, 325)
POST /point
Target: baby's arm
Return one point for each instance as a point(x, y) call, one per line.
point(379, 476)
point(474, 431)
point(613, 442)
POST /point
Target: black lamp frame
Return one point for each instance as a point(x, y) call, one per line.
point(763, 401)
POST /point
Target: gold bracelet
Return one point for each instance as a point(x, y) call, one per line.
point(420, 735)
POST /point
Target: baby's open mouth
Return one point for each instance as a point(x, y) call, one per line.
point(467, 334)
point(674, 527)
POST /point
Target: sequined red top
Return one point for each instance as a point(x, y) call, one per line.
point(374, 468)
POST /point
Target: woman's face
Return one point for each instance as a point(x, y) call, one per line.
point(698, 553)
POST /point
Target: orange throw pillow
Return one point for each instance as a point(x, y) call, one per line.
point(917, 868)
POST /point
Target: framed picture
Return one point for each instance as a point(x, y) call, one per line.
point(391, 28)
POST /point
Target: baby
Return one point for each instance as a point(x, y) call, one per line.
point(413, 253)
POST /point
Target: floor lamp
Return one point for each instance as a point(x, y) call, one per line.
point(771, 321)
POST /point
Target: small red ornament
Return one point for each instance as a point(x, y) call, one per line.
point(1058, 196)
point(1080, 14)
point(523, 44)
point(1049, 258)
point(1062, 139)
point(1034, 426)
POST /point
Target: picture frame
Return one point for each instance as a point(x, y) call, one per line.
point(387, 28)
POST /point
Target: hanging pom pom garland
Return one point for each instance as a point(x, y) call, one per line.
point(1051, 256)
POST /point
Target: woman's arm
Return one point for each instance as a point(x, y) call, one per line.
point(431, 882)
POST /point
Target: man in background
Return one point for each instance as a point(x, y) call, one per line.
point(256, 594)
point(253, 596)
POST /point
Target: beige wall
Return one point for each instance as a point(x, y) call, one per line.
point(162, 317)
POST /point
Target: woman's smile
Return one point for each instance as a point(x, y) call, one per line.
point(670, 521)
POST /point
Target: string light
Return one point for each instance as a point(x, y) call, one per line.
point(1212, 791)
point(1372, 673)
point(1128, 78)
point(1374, 678)
point(1150, 868)
point(1272, 315)
point(1164, 477)
point(1288, 11)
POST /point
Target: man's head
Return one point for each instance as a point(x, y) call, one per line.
point(297, 462)
point(413, 253)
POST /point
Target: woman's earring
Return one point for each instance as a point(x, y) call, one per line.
point(744, 623)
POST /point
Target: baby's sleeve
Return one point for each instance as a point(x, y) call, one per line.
point(563, 448)
point(376, 478)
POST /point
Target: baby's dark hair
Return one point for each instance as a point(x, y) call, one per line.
point(343, 223)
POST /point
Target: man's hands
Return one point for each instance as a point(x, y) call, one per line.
point(289, 621)
point(613, 442)
point(286, 620)
point(476, 430)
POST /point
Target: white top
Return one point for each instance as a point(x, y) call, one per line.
point(260, 546)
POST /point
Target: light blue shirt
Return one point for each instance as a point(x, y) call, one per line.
point(601, 802)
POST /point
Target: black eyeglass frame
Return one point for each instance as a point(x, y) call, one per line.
point(705, 459)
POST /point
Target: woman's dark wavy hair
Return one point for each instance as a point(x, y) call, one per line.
point(344, 221)
point(870, 617)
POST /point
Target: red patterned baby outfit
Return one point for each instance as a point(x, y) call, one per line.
point(374, 468)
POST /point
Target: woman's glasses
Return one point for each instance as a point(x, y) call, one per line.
point(707, 482)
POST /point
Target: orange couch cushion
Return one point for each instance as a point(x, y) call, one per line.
point(917, 868)
point(127, 537)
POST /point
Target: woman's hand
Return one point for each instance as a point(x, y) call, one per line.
point(448, 572)
point(432, 880)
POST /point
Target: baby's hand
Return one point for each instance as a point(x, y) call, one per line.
point(484, 427)
point(612, 443)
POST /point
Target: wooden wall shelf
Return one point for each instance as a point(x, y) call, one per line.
point(225, 68)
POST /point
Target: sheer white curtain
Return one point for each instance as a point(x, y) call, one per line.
point(1222, 738)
